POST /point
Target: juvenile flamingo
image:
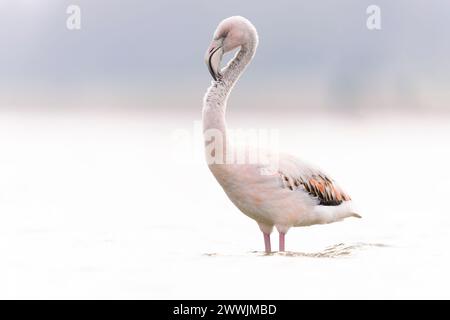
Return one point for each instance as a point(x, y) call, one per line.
point(295, 194)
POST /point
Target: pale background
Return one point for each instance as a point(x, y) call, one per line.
point(93, 203)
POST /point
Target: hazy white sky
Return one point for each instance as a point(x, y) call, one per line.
point(162, 43)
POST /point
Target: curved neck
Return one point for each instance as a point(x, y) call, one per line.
point(215, 101)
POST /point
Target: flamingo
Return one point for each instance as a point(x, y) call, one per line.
point(295, 194)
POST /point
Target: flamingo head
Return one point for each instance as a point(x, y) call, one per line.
point(230, 34)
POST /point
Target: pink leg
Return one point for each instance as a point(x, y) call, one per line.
point(282, 241)
point(267, 242)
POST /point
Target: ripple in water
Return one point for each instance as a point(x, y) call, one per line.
point(335, 251)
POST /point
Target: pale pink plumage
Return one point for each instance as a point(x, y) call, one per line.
point(293, 193)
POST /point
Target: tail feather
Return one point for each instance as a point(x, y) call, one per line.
point(353, 214)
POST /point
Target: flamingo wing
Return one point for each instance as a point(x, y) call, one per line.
point(296, 175)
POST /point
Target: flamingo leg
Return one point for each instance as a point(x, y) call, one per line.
point(282, 241)
point(267, 242)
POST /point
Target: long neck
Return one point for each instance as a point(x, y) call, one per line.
point(215, 101)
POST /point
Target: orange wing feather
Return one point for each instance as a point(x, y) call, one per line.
point(318, 186)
